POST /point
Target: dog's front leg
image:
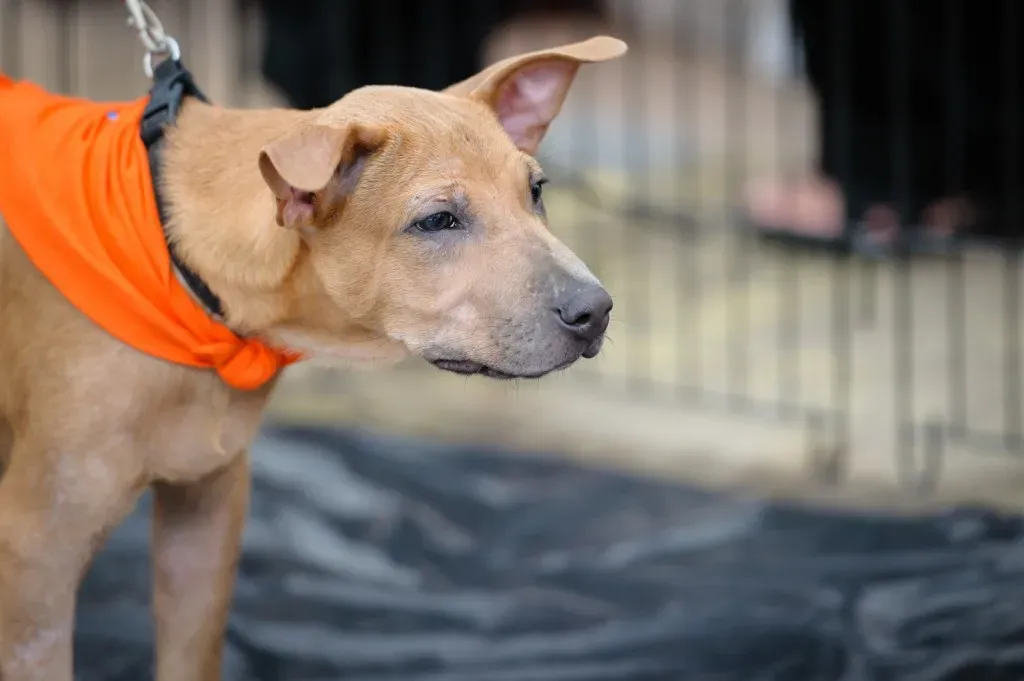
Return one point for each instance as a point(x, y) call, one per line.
point(56, 506)
point(197, 535)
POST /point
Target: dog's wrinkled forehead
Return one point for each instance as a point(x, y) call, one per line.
point(436, 138)
point(422, 117)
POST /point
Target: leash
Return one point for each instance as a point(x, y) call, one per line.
point(172, 84)
point(151, 33)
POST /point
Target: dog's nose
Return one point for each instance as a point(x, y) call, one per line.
point(585, 312)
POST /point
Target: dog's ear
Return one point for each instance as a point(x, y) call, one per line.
point(526, 92)
point(312, 168)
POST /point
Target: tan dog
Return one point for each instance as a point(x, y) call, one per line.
point(394, 222)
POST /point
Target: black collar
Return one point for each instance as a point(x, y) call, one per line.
point(172, 83)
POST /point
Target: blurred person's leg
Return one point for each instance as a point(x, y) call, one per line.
point(308, 49)
point(993, 146)
point(318, 50)
point(882, 72)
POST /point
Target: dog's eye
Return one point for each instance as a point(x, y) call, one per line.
point(437, 222)
point(536, 190)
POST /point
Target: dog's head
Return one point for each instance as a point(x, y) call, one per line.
point(423, 220)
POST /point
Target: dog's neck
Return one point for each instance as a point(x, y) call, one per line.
point(222, 213)
point(223, 222)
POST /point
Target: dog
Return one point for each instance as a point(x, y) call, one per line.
point(396, 222)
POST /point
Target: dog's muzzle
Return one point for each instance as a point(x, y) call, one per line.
point(572, 327)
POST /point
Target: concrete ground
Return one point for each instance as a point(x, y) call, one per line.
point(701, 310)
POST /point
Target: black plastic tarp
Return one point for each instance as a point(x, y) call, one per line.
point(383, 560)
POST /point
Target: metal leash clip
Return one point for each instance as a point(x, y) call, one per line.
point(142, 18)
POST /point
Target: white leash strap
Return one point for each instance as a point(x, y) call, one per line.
point(151, 33)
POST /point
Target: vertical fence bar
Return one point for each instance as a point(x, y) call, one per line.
point(185, 18)
point(688, 105)
point(867, 270)
point(67, 48)
point(682, 273)
point(1011, 144)
point(248, 63)
point(635, 150)
point(386, 53)
point(434, 21)
point(783, 283)
point(10, 22)
point(899, 46)
point(841, 327)
point(788, 398)
point(956, 282)
point(584, 148)
point(736, 163)
point(217, 29)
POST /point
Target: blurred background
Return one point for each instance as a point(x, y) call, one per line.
point(733, 359)
point(806, 210)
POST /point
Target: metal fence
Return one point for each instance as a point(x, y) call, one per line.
point(914, 348)
point(914, 353)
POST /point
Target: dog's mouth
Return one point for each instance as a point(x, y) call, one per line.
point(468, 368)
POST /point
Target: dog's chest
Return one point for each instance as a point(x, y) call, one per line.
point(193, 440)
